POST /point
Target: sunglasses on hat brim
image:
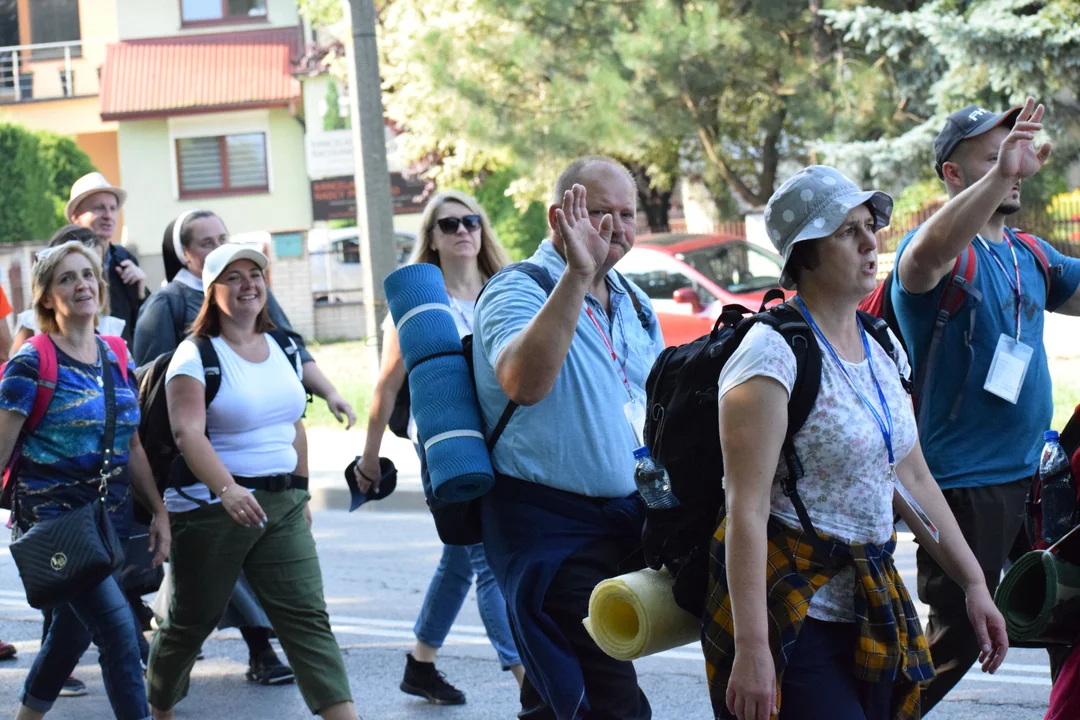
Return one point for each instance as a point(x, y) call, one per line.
point(449, 225)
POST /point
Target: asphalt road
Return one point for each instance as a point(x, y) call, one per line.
point(376, 566)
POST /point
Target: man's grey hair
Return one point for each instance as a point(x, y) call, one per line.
point(575, 171)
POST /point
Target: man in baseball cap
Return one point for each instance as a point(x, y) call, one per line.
point(95, 203)
point(988, 399)
point(970, 122)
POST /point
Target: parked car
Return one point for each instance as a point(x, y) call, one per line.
point(335, 262)
point(689, 278)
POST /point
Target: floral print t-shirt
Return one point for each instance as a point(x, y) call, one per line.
point(60, 460)
point(847, 488)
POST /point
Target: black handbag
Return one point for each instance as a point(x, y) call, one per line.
point(61, 558)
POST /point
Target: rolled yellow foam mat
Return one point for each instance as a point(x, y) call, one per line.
point(634, 615)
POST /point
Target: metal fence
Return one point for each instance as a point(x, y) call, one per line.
point(1059, 226)
point(46, 71)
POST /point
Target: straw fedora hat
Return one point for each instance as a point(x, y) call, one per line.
point(86, 186)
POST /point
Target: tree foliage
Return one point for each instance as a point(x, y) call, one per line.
point(39, 170)
point(725, 90)
point(26, 209)
point(64, 162)
point(947, 54)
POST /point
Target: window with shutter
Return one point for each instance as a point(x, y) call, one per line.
point(229, 164)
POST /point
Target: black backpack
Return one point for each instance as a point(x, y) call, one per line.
point(682, 430)
point(459, 523)
point(155, 431)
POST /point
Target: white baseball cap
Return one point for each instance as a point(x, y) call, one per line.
point(88, 185)
point(224, 256)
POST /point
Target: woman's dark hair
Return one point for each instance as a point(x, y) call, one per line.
point(804, 256)
point(75, 232)
point(175, 264)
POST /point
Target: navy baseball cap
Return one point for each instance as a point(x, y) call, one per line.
point(970, 122)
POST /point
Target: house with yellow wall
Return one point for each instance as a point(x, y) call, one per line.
point(208, 114)
point(52, 54)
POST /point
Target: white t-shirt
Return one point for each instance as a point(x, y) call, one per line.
point(107, 325)
point(252, 418)
point(462, 310)
point(847, 488)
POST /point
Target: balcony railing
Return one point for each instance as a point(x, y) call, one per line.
point(47, 71)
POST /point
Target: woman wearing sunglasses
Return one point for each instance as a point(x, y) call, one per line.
point(457, 237)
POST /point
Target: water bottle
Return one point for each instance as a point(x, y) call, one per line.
point(1057, 496)
point(653, 482)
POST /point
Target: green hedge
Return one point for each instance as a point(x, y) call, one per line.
point(38, 171)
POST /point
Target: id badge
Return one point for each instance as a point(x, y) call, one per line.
point(1008, 369)
point(915, 507)
point(634, 410)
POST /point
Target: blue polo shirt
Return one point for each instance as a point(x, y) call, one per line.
point(577, 438)
point(992, 441)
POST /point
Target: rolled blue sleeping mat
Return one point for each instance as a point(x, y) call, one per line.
point(441, 389)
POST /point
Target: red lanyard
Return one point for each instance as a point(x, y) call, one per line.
point(614, 357)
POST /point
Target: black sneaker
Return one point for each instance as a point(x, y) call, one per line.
point(423, 680)
point(266, 669)
point(73, 688)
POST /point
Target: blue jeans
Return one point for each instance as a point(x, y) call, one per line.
point(819, 683)
point(448, 588)
point(103, 614)
point(446, 594)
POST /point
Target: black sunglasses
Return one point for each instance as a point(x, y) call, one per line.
point(449, 225)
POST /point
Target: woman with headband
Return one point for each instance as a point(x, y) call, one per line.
point(163, 323)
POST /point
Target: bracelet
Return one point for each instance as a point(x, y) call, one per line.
point(224, 490)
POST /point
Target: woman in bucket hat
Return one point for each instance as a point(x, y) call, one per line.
point(826, 626)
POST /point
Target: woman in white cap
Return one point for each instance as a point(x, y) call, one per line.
point(163, 323)
point(819, 616)
point(250, 514)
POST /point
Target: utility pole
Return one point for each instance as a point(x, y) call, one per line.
point(374, 211)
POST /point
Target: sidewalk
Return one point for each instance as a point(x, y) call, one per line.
point(330, 451)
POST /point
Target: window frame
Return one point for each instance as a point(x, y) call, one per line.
point(226, 190)
point(225, 18)
point(53, 53)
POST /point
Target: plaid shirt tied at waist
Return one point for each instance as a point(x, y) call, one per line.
point(890, 636)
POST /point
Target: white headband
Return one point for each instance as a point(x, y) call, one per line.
point(178, 247)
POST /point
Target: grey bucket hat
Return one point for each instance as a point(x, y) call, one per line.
point(812, 204)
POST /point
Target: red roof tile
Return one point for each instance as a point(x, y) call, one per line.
point(196, 73)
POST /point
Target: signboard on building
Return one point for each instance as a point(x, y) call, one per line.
point(329, 154)
point(335, 198)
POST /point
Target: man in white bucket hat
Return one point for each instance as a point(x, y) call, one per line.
point(95, 203)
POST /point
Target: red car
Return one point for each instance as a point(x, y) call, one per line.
point(689, 278)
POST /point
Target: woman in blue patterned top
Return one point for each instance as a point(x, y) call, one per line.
point(58, 471)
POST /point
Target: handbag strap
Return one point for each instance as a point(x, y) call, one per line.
point(109, 390)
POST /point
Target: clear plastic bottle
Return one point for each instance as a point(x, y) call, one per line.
point(653, 482)
point(1057, 496)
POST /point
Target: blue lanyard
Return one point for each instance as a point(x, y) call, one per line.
point(884, 424)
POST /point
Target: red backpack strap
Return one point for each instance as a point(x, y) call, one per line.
point(1036, 249)
point(959, 284)
point(46, 382)
point(119, 348)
